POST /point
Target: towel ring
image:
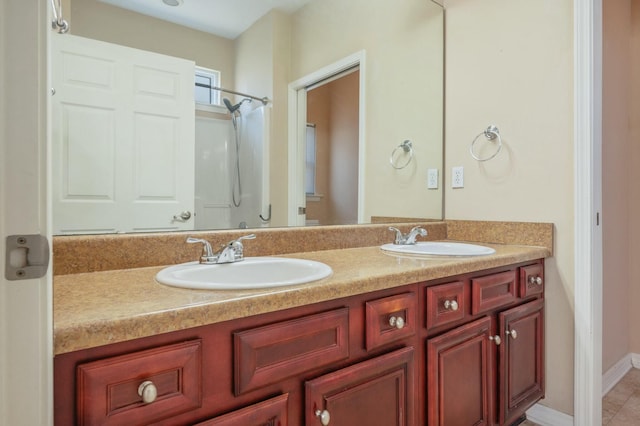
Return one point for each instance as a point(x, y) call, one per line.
point(406, 146)
point(491, 133)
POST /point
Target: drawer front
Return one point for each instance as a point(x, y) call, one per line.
point(531, 280)
point(272, 412)
point(445, 304)
point(268, 354)
point(107, 389)
point(390, 319)
point(493, 291)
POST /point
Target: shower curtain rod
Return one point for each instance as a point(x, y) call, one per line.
point(264, 100)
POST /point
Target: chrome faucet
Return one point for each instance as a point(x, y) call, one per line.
point(231, 252)
point(410, 238)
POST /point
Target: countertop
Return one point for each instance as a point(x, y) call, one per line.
point(99, 308)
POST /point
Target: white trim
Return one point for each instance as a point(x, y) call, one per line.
point(587, 104)
point(296, 187)
point(616, 373)
point(635, 360)
point(545, 416)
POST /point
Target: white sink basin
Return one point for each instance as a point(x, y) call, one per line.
point(439, 248)
point(250, 273)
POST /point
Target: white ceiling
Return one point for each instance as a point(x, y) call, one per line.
point(226, 18)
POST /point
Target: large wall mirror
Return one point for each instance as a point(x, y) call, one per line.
point(202, 114)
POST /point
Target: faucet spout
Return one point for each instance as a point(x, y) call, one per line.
point(231, 252)
point(409, 238)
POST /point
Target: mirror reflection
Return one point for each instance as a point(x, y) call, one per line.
point(290, 115)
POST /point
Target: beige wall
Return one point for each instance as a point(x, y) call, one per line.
point(403, 89)
point(100, 21)
point(262, 69)
point(634, 178)
point(510, 64)
point(615, 180)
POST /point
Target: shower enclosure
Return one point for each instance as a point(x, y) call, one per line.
point(232, 168)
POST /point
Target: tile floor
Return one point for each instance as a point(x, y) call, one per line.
point(621, 406)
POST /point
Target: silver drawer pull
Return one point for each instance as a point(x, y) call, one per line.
point(512, 333)
point(535, 279)
point(148, 391)
point(496, 339)
point(397, 322)
point(451, 305)
point(324, 417)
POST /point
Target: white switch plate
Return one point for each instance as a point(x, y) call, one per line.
point(457, 177)
point(432, 178)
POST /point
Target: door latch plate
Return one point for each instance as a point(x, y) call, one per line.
point(27, 257)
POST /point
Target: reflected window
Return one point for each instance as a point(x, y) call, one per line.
point(205, 79)
point(310, 172)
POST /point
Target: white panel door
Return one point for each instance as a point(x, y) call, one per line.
point(123, 138)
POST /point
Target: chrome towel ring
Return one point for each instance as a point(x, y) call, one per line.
point(407, 147)
point(491, 133)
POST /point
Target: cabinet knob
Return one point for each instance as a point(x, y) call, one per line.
point(324, 417)
point(496, 339)
point(512, 333)
point(535, 279)
point(148, 391)
point(397, 322)
point(451, 305)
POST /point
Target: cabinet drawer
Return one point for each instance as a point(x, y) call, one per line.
point(389, 319)
point(268, 354)
point(107, 389)
point(493, 291)
point(445, 304)
point(272, 412)
point(531, 280)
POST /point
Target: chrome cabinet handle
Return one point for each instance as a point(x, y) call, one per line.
point(148, 391)
point(496, 339)
point(451, 305)
point(535, 280)
point(397, 322)
point(512, 333)
point(324, 417)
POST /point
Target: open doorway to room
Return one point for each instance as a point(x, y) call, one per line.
point(331, 166)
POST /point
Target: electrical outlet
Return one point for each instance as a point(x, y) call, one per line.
point(432, 178)
point(457, 177)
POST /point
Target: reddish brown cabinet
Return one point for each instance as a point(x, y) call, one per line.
point(418, 354)
point(376, 392)
point(459, 376)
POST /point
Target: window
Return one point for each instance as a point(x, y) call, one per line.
point(205, 79)
point(310, 171)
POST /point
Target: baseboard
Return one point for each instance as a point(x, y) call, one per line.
point(635, 360)
point(617, 372)
point(545, 416)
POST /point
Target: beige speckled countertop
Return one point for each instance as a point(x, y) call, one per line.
point(98, 308)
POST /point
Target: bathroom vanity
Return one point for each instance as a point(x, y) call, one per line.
point(385, 340)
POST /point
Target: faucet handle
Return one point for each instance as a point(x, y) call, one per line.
point(238, 247)
point(399, 237)
point(207, 251)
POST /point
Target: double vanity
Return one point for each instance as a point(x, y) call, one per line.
point(385, 338)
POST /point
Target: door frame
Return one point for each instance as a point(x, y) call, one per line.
point(26, 306)
point(297, 113)
point(587, 104)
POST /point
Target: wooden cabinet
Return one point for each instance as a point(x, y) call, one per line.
point(459, 376)
point(377, 392)
point(521, 359)
point(491, 370)
point(418, 354)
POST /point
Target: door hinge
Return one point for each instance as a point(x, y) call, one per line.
point(27, 257)
point(302, 210)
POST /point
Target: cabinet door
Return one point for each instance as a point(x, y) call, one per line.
point(272, 412)
point(521, 365)
point(459, 371)
point(377, 392)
